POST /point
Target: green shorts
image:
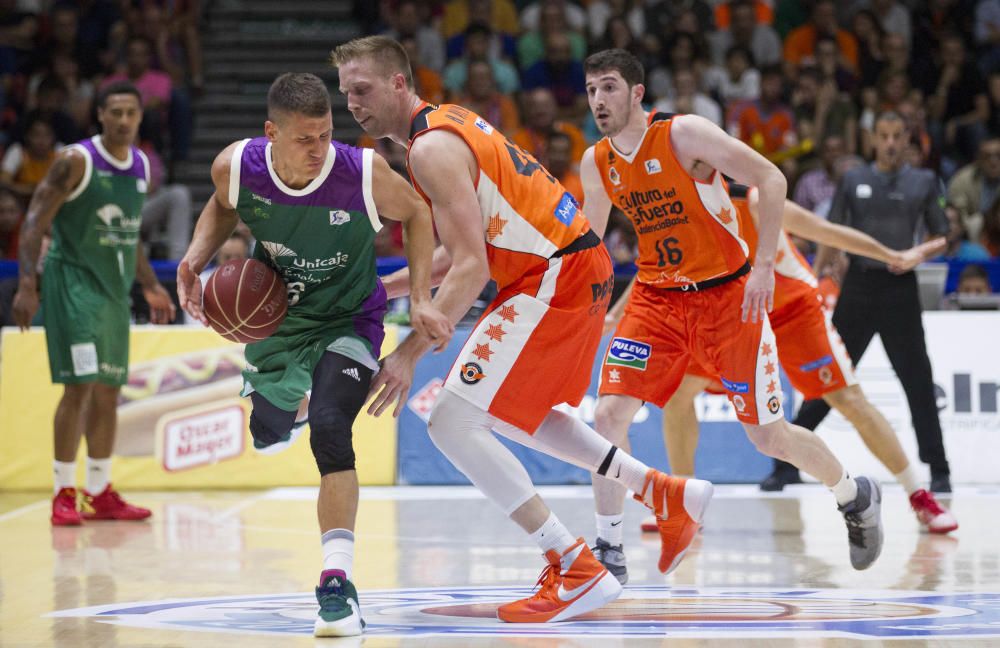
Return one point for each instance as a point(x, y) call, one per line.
point(280, 367)
point(86, 330)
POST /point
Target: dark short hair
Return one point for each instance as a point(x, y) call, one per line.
point(745, 51)
point(117, 88)
point(50, 83)
point(616, 60)
point(299, 93)
point(478, 28)
point(891, 116)
point(772, 69)
point(974, 271)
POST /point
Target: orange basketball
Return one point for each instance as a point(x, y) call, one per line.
point(245, 300)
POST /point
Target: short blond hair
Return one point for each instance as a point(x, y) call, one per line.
point(387, 53)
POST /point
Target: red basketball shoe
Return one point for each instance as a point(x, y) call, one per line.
point(109, 505)
point(64, 511)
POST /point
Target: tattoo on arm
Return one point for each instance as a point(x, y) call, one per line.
point(46, 201)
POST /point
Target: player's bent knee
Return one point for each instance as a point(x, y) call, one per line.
point(332, 446)
point(769, 440)
point(848, 401)
point(265, 434)
point(610, 423)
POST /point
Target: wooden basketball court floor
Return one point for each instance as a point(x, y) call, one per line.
point(237, 569)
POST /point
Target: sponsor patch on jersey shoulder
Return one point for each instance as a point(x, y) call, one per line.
point(735, 387)
point(624, 352)
point(483, 125)
point(566, 209)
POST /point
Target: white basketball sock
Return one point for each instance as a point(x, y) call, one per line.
point(845, 490)
point(98, 475)
point(908, 479)
point(553, 535)
point(609, 528)
point(338, 551)
point(64, 475)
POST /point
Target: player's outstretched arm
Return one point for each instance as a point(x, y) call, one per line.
point(395, 199)
point(217, 221)
point(443, 166)
point(60, 181)
point(161, 306)
point(697, 141)
point(596, 204)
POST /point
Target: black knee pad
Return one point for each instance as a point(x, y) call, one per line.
point(268, 423)
point(332, 446)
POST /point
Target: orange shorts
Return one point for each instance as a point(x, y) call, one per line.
point(809, 349)
point(534, 346)
point(662, 330)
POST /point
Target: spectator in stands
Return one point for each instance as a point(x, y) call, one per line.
point(553, 20)
point(894, 89)
point(801, 42)
point(738, 80)
point(933, 20)
point(685, 97)
point(426, 81)
point(26, 163)
point(166, 214)
point(891, 15)
point(234, 248)
point(477, 42)
point(618, 35)
point(957, 100)
point(868, 32)
point(101, 31)
point(11, 216)
point(960, 247)
point(500, 15)
point(683, 52)
point(987, 33)
point(746, 32)
point(561, 164)
point(662, 16)
point(974, 280)
point(80, 91)
point(18, 30)
point(411, 20)
point(533, 15)
point(600, 12)
point(821, 109)
point(766, 124)
point(540, 118)
point(976, 186)
point(817, 186)
point(155, 87)
point(562, 74)
point(828, 61)
point(482, 98)
point(51, 101)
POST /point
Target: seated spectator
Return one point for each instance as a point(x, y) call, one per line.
point(563, 75)
point(531, 46)
point(18, 30)
point(477, 41)
point(618, 35)
point(974, 280)
point(500, 15)
point(817, 186)
point(871, 58)
point(891, 15)
point(533, 14)
point(540, 121)
point(560, 163)
point(409, 20)
point(801, 42)
point(167, 218)
point(600, 12)
point(960, 247)
point(51, 101)
point(662, 16)
point(683, 52)
point(763, 12)
point(821, 110)
point(234, 248)
point(426, 81)
point(80, 91)
point(747, 32)
point(828, 61)
point(738, 80)
point(482, 98)
point(686, 98)
point(25, 164)
point(155, 87)
point(957, 100)
point(766, 124)
point(894, 90)
point(976, 187)
point(11, 216)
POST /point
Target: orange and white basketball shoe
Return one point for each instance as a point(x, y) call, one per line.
point(679, 505)
point(109, 505)
point(571, 585)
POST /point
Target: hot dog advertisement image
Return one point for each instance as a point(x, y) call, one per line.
point(181, 420)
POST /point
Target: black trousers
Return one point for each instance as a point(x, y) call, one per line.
point(877, 301)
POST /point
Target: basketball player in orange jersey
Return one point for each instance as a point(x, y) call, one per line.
point(665, 174)
point(501, 215)
point(811, 353)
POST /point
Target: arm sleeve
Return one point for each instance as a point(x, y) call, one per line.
point(840, 206)
point(934, 217)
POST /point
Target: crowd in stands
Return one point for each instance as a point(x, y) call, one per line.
point(800, 81)
point(56, 56)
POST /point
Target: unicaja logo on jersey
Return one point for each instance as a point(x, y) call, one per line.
point(110, 212)
point(624, 352)
point(338, 261)
point(277, 249)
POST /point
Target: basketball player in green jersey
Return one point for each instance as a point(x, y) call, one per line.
point(91, 198)
point(313, 205)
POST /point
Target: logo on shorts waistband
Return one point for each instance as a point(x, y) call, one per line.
point(624, 352)
point(471, 373)
point(735, 387)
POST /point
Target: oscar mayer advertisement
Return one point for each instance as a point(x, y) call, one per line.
point(181, 421)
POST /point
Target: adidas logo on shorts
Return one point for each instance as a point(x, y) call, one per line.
point(353, 373)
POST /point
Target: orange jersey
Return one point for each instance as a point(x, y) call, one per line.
point(793, 278)
point(527, 214)
point(687, 229)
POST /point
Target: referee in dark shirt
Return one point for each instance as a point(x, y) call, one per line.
point(887, 200)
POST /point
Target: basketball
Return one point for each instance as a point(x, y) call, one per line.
point(245, 300)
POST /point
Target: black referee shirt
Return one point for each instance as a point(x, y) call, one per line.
point(889, 207)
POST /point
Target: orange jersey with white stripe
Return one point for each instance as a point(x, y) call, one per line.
point(793, 278)
point(527, 214)
point(687, 228)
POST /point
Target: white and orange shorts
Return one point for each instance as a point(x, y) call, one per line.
point(662, 331)
point(534, 346)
